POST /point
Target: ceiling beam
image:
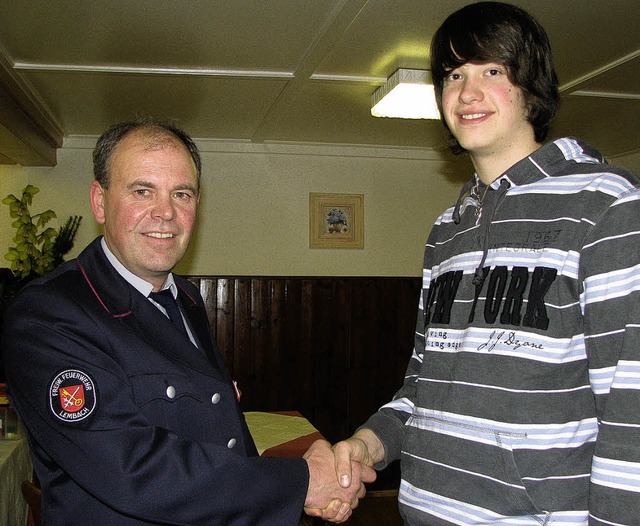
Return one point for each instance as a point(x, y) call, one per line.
point(29, 135)
point(601, 72)
point(339, 20)
point(152, 70)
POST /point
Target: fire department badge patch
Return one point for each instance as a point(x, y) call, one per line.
point(72, 396)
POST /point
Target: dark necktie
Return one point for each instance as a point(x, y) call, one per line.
point(166, 299)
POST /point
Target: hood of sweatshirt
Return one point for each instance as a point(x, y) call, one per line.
point(553, 159)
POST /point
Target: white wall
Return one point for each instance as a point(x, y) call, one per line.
point(254, 209)
point(254, 212)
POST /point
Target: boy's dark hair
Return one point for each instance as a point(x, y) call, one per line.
point(505, 34)
point(156, 133)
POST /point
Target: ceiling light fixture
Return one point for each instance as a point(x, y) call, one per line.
point(407, 94)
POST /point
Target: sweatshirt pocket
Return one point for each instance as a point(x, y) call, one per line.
point(467, 461)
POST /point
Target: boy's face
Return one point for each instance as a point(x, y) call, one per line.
point(486, 112)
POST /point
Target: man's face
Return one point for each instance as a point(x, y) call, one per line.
point(149, 210)
point(486, 112)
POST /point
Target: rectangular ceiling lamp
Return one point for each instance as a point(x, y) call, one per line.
point(407, 94)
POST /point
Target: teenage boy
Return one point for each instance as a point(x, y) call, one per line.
point(520, 402)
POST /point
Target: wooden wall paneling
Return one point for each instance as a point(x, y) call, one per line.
point(360, 359)
point(334, 349)
point(306, 372)
point(276, 362)
point(391, 350)
point(324, 358)
point(363, 357)
point(242, 354)
point(294, 371)
point(209, 294)
point(333, 353)
point(320, 334)
point(224, 329)
point(263, 364)
point(300, 383)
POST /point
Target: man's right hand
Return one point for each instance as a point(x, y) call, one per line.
point(325, 497)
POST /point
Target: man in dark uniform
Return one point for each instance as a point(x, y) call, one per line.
point(133, 419)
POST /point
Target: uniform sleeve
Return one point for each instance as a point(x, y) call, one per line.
point(610, 266)
point(116, 456)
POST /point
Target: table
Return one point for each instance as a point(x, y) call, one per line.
point(15, 466)
point(285, 434)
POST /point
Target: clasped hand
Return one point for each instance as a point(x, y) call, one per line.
point(330, 496)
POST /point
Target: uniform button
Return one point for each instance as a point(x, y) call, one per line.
point(171, 391)
point(231, 443)
point(215, 398)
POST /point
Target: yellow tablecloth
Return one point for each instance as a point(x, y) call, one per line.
point(270, 430)
point(15, 466)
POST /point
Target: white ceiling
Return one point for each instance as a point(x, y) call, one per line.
point(279, 70)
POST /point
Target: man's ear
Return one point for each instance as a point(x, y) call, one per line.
point(97, 202)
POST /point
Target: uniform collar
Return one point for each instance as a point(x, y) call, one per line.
point(142, 286)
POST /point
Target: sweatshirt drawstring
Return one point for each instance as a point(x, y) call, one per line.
point(478, 275)
point(465, 189)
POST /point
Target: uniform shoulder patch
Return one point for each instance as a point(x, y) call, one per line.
point(72, 395)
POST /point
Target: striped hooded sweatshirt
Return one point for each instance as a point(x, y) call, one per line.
point(521, 401)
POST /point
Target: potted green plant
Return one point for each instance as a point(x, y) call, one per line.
point(38, 249)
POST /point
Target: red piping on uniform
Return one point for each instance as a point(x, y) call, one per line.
point(188, 295)
point(95, 292)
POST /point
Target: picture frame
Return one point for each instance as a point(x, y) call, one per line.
point(336, 220)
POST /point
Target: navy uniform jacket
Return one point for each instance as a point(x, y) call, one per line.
point(128, 422)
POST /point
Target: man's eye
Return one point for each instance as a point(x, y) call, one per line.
point(453, 76)
point(141, 191)
point(183, 195)
point(493, 72)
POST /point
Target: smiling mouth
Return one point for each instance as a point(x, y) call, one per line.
point(160, 235)
point(473, 116)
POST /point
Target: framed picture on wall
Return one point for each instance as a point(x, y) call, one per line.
point(336, 220)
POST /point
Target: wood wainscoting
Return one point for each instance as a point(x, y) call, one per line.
point(333, 348)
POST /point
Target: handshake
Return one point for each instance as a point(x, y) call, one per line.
point(337, 475)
